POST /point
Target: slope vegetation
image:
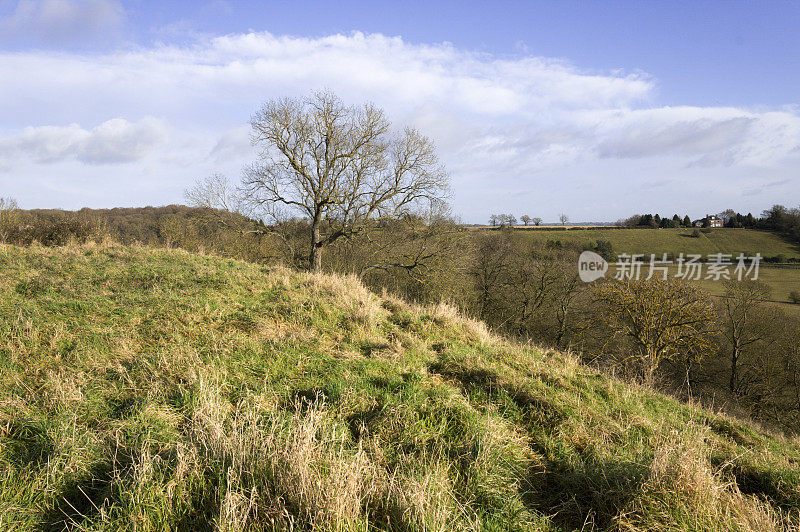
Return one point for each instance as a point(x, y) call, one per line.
point(147, 389)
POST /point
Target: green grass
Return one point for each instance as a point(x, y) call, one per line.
point(782, 281)
point(147, 389)
point(676, 241)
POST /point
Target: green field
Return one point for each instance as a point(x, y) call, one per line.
point(781, 281)
point(676, 241)
point(145, 389)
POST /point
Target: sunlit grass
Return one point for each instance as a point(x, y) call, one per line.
point(147, 389)
point(676, 241)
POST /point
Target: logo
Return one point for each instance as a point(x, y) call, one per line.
point(591, 266)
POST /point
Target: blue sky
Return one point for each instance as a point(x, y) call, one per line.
point(595, 109)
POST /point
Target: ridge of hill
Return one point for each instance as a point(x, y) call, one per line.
point(145, 389)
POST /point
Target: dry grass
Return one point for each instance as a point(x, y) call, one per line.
point(154, 390)
point(685, 492)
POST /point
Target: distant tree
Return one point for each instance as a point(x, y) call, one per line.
point(9, 217)
point(646, 220)
point(494, 219)
point(536, 221)
point(786, 221)
point(218, 197)
point(631, 221)
point(605, 249)
point(525, 219)
point(669, 223)
point(511, 220)
point(727, 215)
point(687, 222)
point(741, 305)
point(775, 217)
point(563, 219)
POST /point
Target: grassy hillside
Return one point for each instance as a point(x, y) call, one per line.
point(675, 241)
point(148, 390)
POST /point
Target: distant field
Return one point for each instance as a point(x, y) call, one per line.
point(782, 281)
point(676, 241)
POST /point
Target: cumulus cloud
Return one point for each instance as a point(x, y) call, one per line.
point(503, 125)
point(112, 142)
point(60, 21)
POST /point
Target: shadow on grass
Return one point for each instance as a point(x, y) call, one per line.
point(82, 498)
point(26, 444)
point(572, 485)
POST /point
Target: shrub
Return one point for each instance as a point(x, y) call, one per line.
point(794, 297)
point(658, 320)
point(605, 250)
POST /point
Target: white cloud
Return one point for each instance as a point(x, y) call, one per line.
point(61, 21)
point(113, 141)
point(233, 144)
point(246, 69)
point(505, 127)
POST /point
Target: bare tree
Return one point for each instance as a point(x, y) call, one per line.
point(490, 270)
point(536, 220)
point(340, 166)
point(563, 219)
point(727, 215)
point(525, 219)
point(216, 193)
point(741, 307)
point(224, 205)
point(9, 216)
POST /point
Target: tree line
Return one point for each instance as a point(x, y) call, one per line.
point(503, 220)
point(509, 220)
point(777, 218)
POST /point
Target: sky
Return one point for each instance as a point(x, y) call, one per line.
point(598, 110)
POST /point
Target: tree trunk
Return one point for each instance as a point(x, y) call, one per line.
point(315, 258)
point(734, 370)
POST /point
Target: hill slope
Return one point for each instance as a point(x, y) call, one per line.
point(676, 241)
point(148, 389)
